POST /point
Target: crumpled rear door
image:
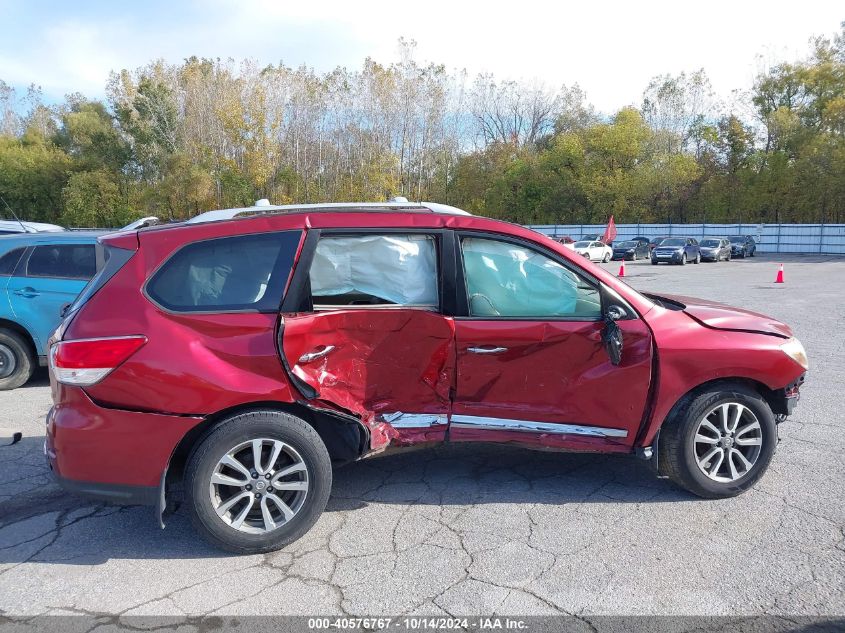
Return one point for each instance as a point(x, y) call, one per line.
point(392, 368)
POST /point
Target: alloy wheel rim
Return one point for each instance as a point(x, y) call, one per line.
point(728, 442)
point(259, 485)
point(8, 361)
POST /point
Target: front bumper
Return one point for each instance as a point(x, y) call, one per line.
point(787, 398)
point(673, 257)
point(110, 454)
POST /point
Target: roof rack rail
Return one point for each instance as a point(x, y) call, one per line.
point(263, 207)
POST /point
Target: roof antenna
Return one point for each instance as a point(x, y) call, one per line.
point(14, 215)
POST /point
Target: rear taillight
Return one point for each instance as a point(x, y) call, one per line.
point(87, 361)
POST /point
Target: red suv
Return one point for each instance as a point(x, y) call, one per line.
point(229, 364)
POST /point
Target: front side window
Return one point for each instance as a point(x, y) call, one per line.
point(375, 271)
point(228, 274)
point(63, 261)
point(508, 280)
point(9, 261)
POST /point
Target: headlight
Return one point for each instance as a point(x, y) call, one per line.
point(795, 351)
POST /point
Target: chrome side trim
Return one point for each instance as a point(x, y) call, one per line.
point(528, 426)
point(400, 420)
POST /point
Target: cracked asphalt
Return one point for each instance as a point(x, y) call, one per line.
point(478, 529)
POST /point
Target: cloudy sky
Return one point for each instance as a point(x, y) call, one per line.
point(610, 48)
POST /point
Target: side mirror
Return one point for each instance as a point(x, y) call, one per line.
point(613, 310)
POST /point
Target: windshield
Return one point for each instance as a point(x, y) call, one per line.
point(582, 244)
point(710, 242)
point(657, 240)
point(673, 241)
point(737, 239)
point(630, 244)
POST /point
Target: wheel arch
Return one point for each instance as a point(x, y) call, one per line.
point(771, 396)
point(345, 438)
point(20, 329)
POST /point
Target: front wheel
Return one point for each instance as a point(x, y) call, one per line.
point(654, 262)
point(684, 259)
point(258, 481)
point(697, 258)
point(720, 444)
point(606, 258)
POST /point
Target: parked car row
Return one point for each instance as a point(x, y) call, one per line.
point(592, 246)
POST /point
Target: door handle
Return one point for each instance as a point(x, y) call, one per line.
point(487, 350)
point(27, 292)
point(307, 358)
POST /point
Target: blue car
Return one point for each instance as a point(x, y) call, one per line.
point(677, 250)
point(40, 273)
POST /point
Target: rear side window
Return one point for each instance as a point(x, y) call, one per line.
point(64, 261)
point(245, 272)
point(375, 271)
point(10, 260)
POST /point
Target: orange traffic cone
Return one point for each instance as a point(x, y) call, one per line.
point(622, 269)
point(779, 278)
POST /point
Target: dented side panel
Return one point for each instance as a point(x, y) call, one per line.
point(392, 368)
point(556, 374)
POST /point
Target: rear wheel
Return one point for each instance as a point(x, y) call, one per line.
point(258, 481)
point(721, 443)
point(17, 361)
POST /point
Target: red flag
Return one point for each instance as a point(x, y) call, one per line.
point(609, 232)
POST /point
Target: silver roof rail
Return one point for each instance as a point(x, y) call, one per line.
point(261, 209)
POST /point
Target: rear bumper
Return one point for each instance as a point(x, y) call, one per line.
point(111, 493)
point(110, 454)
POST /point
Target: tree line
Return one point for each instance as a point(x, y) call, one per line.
point(174, 140)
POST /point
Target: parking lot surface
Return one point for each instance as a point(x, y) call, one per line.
point(478, 530)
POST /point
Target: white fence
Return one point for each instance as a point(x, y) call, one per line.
point(770, 238)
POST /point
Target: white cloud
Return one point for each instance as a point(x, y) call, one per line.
point(611, 49)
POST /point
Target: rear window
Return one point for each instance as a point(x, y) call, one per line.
point(62, 261)
point(10, 260)
point(372, 271)
point(245, 272)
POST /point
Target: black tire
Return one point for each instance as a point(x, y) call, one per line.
point(753, 252)
point(17, 360)
point(245, 427)
point(684, 259)
point(677, 458)
point(697, 259)
point(606, 258)
point(654, 262)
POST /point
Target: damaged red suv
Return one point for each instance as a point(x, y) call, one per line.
point(228, 363)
